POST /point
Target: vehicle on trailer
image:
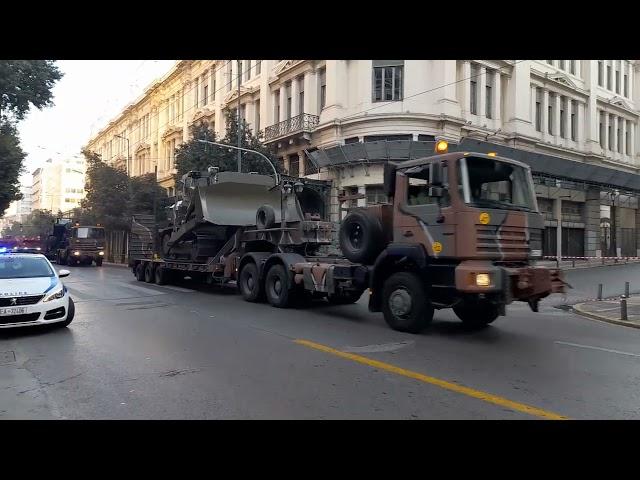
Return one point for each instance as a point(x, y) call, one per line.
point(461, 230)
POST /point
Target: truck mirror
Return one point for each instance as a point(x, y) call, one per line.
point(437, 174)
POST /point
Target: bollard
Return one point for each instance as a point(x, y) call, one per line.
point(599, 291)
point(623, 308)
point(626, 289)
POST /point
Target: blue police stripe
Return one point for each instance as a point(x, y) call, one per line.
point(54, 282)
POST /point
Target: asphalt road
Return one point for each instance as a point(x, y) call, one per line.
point(141, 351)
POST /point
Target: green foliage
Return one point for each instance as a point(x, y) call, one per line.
point(38, 222)
point(11, 157)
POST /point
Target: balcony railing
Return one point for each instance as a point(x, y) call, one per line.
point(304, 122)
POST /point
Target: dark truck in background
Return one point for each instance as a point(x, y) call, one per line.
point(71, 243)
point(461, 230)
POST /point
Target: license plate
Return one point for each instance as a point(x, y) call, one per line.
point(13, 311)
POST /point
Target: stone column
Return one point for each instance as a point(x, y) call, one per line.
point(592, 223)
point(302, 167)
point(362, 190)
point(466, 88)
point(482, 90)
point(311, 93)
point(556, 116)
point(497, 96)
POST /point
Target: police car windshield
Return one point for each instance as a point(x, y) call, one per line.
point(12, 266)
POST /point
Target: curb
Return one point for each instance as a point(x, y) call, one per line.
point(576, 309)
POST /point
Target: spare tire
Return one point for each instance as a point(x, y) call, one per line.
point(265, 217)
point(361, 237)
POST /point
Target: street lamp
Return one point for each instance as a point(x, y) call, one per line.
point(128, 160)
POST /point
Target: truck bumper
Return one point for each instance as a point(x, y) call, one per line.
point(521, 283)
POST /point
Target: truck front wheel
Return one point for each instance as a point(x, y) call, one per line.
point(140, 272)
point(405, 304)
point(98, 262)
point(476, 314)
point(249, 283)
point(277, 286)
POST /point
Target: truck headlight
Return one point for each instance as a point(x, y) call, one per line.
point(483, 280)
point(100, 253)
point(58, 293)
point(536, 253)
point(76, 253)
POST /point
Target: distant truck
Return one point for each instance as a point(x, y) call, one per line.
point(71, 243)
point(461, 230)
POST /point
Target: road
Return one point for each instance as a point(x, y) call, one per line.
point(142, 351)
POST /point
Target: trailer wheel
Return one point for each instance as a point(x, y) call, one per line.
point(140, 272)
point(149, 274)
point(405, 304)
point(249, 283)
point(476, 314)
point(161, 276)
point(277, 286)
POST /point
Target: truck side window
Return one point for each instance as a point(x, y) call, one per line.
point(419, 193)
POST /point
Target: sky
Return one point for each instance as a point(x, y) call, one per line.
point(89, 95)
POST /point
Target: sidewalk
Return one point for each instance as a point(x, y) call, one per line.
point(609, 311)
point(576, 264)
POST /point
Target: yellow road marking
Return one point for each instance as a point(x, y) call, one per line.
point(487, 397)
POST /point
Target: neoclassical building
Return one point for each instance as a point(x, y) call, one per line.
point(574, 121)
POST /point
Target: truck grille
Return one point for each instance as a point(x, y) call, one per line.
point(509, 241)
point(28, 300)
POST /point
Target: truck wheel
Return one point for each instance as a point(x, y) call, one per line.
point(277, 286)
point(361, 237)
point(149, 274)
point(98, 262)
point(405, 306)
point(161, 275)
point(249, 283)
point(140, 272)
point(476, 314)
point(60, 260)
point(345, 298)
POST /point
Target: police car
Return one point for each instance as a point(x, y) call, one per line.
point(31, 292)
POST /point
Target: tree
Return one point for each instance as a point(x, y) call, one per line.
point(23, 84)
point(11, 157)
point(145, 192)
point(38, 222)
point(194, 155)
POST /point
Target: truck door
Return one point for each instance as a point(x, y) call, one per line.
point(423, 214)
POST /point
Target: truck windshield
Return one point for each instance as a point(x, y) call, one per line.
point(89, 232)
point(492, 183)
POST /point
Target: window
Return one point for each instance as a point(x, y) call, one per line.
point(243, 111)
point(626, 85)
point(602, 129)
point(609, 77)
point(256, 127)
point(387, 80)
point(562, 116)
point(574, 110)
point(258, 66)
point(562, 64)
point(229, 79)
point(294, 165)
point(489, 95)
point(550, 62)
point(572, 67)
point(301, 95)
point(205, 100)
point(473, 99)
point(617, 81)
point(610, 132)
point(276, 106)
point(600, 73)
point(538, 118)
point(323, 88)
point(287, 89)
point(239, 72)
point(375, 194)
point(550, 113)
point(248, 74)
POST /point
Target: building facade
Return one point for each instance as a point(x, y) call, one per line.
point(58, 186)
point(18, 210)
point(564, 117)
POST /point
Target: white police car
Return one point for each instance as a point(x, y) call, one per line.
point(31, 292)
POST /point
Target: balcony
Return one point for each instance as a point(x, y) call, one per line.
point(303, 123)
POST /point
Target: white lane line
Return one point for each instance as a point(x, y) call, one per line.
point(599, 348)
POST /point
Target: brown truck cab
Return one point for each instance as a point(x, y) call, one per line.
point(462, 230)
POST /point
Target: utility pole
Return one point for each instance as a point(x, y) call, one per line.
point(239, 129)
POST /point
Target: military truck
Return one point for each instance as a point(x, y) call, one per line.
point(461, 230)
point(71, 243)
